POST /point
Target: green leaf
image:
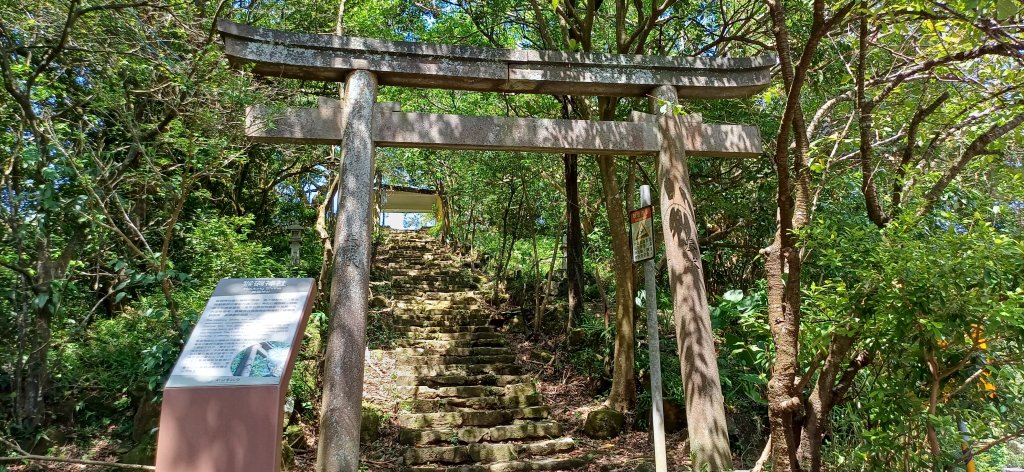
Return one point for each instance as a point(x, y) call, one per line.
point(1005, 9)
point(120, 296)
point(40, 301)
point(733, 295)
point(554, 4)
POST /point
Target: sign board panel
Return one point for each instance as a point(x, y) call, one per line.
point(641, 233)
point(245, 334)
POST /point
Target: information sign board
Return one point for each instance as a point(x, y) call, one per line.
point(641, 232)
point(245, 334)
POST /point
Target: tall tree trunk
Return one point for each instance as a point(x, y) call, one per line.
point(782, 257)
point(323, 221)
point(445, 213)
point(542, 299)
point(820, 403)
point(499, 275)
point(785, 332)
point(573, 237)
point(623, 394)
point(30, 405)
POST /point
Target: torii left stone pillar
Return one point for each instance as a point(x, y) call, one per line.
point(340, 413)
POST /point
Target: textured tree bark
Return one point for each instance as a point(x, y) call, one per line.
point(623, 394)
point(820, 403)
point(30, 403)
point(341, 412)
point(327, 254)
point(705, 405)
point(785, 333)
point(573, 237)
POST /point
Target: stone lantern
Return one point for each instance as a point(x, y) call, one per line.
point(295, 240)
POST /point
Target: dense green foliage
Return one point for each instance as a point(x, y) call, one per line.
point(127, 191)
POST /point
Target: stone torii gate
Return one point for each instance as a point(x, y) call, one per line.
point(359, 124)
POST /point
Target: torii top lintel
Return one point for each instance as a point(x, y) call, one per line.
point(330, 57)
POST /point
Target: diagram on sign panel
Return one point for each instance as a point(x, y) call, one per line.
point(265, 359)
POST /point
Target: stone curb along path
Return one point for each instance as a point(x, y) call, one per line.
point(467, 406)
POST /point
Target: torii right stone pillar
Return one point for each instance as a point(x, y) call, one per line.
point(705, 406)
point(341, 411)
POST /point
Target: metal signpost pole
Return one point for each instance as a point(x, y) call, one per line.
point(653, 345)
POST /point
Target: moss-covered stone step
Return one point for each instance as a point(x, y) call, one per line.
point(474, 403)
point(446, 360)
point(450, 343)
point(477, 316)
point(467, 301)
point(423, 392)
point(419, 262)
point(511, 432)
point(399, 269)
point(431, 321)
point(415, 296)
point(456, 419)
point(441, 312)
point(415, 331)
point(453, 301)
point(563, 462)
point(461, 336)
point(409, 288)
point(461, 369)
point(485, 452)
point(444, 294)
point(456, 380)
point(438, 350)
point(451, 282)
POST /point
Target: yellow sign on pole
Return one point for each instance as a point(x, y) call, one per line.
point(641, 231)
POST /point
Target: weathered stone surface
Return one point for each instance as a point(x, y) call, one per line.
point(705, 404)
point(462, 412)
point(325, 57)
point(471, 417)
point(604, 424)
point(378, 302)
point(455, 380)
point(458, 360)
point(463, 370)
point(458, 328)
point(558, 463)
point(425, 321)
point(435, 131)
point(458, 336)
point(451, 343)
point(338, 448)
point(486, 452)
point(475, 403)
point(527, 430)
point(454, 351)
point(514, 389)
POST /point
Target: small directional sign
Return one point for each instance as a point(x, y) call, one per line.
point(641, 231)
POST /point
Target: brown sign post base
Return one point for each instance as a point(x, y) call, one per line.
point(223, 407)
point(221, 429)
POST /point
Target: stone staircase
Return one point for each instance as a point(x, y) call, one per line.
point(466, 404)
